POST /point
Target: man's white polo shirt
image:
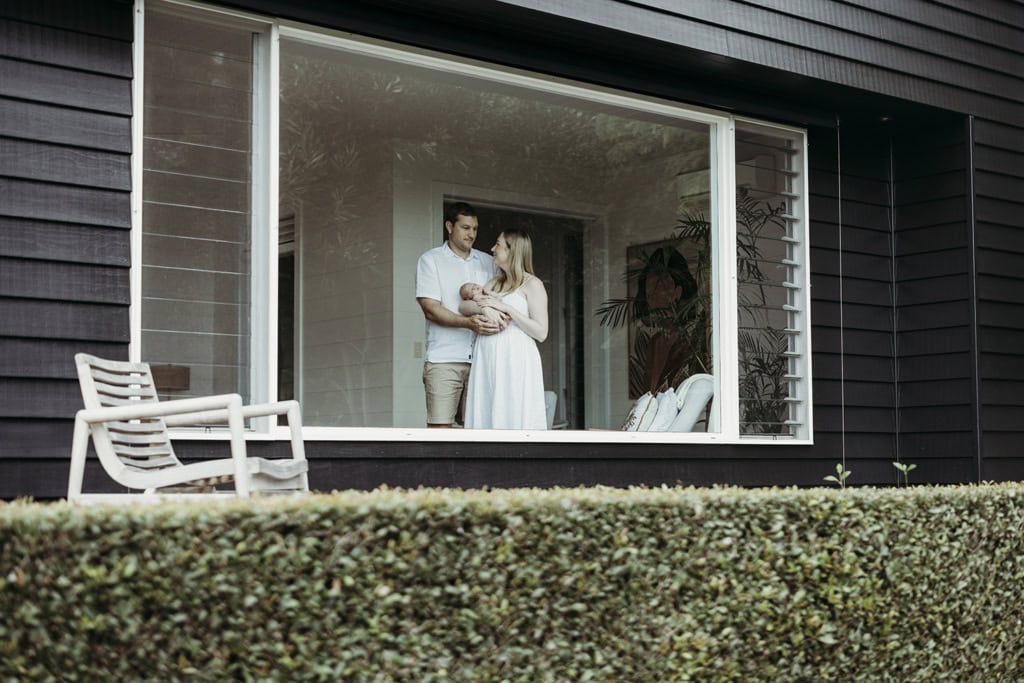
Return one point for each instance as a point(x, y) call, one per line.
point(439, 274)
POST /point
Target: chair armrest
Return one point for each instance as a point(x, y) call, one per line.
point(221, 415)
point(291, 408)
point(160, 409)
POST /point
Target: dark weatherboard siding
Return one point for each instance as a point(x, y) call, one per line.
point(65, 140)
point(915, 113)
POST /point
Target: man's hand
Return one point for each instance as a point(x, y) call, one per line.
point(481, 324)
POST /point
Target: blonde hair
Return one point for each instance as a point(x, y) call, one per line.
point(520, 259)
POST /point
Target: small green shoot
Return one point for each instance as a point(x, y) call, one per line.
point(839, 477)
point(905, 468)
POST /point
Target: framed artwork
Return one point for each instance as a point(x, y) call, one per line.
point(669, 316)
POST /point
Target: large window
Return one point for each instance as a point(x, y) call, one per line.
point(291, 178)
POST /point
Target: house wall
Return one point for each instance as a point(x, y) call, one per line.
point(918, 354)
point(934, 373)
point(65, 140)
point(887, 92)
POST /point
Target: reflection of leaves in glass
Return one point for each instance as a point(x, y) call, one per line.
point(381, 103)
point(763, 389)
point(762, 363)
point(672, 342)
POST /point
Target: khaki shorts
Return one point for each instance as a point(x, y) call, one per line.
point(445, 384)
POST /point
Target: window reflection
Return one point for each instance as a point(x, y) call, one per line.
point(196, 206)
point(370, 151)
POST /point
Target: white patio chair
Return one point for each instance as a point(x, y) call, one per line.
point(550, 403)
point(693, 397)
point(128, 426)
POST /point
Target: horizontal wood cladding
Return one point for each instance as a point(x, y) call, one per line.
point(65, 87)
point(47, 123)
point(1008, 13)
point(998, 160)
point(34, 439)
point(1001, 367)
point(64, 242)
point(936, 288)
point(988, 184)
point(48, 477)
point(840, 50)
point(366, 465)
point(855, 393)
point(1002, 340)
point(1002, 391)
point(1000, 314)
point(39, 398)
point(65, 203)
point(58, 47)
point(998, 211)
point(932, 269)
point(833, 28)
point(64, 320)
point(67, 165)
point(51, 358)
point(106, 18)
point(1007, 289)
point(1007, 135)
point(61, 281)
point(1003, 461)
point(1004, 262)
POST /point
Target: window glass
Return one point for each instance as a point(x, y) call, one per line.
point(196, 245)
point(617, 201)
point(771, 295)
point(375, 142)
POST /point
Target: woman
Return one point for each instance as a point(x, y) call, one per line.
point(506, 385)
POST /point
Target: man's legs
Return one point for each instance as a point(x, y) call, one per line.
point(445, 385)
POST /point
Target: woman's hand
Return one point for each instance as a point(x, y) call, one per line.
point(494, 302)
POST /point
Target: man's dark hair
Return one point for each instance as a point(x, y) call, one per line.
point(452, 213)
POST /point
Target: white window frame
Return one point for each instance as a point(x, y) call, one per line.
point(265, 253)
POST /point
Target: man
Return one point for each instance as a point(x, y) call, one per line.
point(440, 273)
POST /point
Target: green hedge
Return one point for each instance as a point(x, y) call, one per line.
point(646, 585)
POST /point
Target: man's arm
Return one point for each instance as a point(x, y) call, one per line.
point(436, 313)
point(471, 307)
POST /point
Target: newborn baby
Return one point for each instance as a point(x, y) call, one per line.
point(471, 291)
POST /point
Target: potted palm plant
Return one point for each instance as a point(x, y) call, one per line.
point(669, 312)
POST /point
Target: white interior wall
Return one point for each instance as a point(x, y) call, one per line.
point(347, 302)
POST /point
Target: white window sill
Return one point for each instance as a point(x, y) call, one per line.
point(398, 434)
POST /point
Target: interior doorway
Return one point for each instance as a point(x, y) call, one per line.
point(558, 261)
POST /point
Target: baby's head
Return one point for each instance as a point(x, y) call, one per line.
point(470, 290)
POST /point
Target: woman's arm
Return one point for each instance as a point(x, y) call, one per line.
point(489, 312)
point(536, 323)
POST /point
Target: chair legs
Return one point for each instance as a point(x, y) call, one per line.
point(298, 445)
point(79, 447)
point(236, 424)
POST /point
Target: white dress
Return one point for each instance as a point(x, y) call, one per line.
point(506, 384)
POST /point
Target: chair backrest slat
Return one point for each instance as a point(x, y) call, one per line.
point(137, 443)
point(108, 399)
point(146, 439)
point(150, 426)
point(134, 386)
point(146, 460)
